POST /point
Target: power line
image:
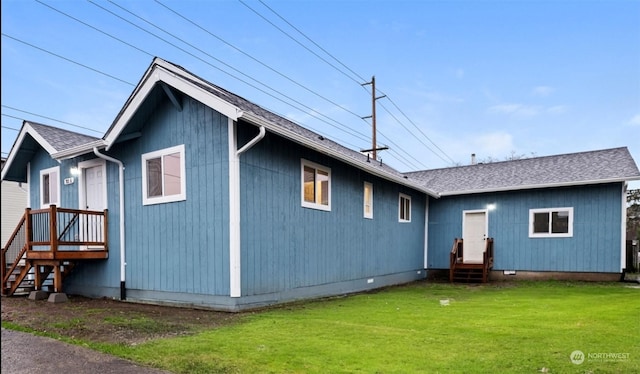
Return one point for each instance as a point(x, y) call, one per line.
point(357, 75)
point(348, 131)
point(49, 118)
point(66, 59)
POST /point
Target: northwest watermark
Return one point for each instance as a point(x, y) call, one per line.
point(578, 357)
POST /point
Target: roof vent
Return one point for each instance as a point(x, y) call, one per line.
point(473, 159)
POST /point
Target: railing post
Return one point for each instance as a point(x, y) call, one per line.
point(105, 229)
point(53, 230)
point(28, 229)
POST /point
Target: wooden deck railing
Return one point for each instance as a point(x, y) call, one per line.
point(455, 257)
point(456, 262)
point(50, 236)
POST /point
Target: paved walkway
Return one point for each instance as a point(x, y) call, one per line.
point(31, 354)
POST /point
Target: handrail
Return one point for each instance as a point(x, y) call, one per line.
point(454, 256)
point(18, 232)
point(53, 227)
point(487, 260)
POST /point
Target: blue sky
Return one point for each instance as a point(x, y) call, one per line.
point(494, 78)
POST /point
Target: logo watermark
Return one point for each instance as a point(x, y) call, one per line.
point(578, 357)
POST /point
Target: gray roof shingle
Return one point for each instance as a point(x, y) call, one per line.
point(61, 139)
point(600, 166)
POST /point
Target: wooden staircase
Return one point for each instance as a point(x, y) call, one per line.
point(470, 272)
point(47, 244)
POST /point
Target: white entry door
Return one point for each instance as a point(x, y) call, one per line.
point(93, 192)
point(474, 235)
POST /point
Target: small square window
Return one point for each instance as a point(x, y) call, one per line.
point(163, 176)
point(404, 208)
point(316, 186)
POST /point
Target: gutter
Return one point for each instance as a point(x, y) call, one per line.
point(123, 290)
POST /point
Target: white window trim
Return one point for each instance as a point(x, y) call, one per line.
point(549, 234)
point(183, 176)
point(307, 204)
point(55, 169)
point(366, 214)
point(400, 197)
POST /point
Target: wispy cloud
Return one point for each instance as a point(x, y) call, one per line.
point(542, 91)
point(557, 109)
point(492, 144)
point(525, 111)
point(515, 110)
point(634, 121)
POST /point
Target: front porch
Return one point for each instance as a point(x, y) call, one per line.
point(47, 244)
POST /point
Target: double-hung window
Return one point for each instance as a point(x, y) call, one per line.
point(50, 187)
point(551, 222)
point(404, 209)
point(163, 176)
point(316, 186)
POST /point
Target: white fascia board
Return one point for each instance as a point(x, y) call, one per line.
point(252, 118)
point(26, 129)
point(163, 73)
point(78, 150)
point(546, 185)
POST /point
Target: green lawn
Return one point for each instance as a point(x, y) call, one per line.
point(522, 327)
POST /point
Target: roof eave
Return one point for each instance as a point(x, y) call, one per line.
point(78, 150)
point(26, 129)
point(161, 71)
point(546, 185)
point(260, 121)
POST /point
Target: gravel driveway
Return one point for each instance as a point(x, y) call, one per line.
point(31, 354)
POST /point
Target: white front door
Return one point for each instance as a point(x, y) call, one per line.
point(474, 235)
point(93, 196)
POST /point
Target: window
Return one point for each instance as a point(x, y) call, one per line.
point(368, 200)
point(552, 222)
point(404, 211)
point(316, 186)
point(163, 176)
point(50, 187)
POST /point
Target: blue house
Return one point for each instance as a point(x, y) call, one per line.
point(198, 197)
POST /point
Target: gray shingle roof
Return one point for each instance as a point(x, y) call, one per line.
point(248, 106)
point(61, 139)
point(600, 166)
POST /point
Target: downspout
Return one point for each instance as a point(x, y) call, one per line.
point(235, 275)
point(123, 290)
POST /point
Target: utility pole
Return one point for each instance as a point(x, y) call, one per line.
point(374, 145)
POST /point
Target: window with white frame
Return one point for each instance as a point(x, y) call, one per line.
point(163, 176)
point(368, 200)
point(404, 210)
point(50, 187)
point(551, 222)
point(316, 185)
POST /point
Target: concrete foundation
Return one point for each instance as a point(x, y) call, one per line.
point(38, 295)
point(58, 298)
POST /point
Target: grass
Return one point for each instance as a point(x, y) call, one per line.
point(523, 327)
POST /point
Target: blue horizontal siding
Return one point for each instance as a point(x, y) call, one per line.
point(594, 247)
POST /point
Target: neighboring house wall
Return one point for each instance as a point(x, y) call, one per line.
point(14, 202)
point(594, 247)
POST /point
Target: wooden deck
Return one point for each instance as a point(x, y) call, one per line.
point(48, 243)
point(459, 271)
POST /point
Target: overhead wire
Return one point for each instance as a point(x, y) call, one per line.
point(339, 126)
point(362, 79)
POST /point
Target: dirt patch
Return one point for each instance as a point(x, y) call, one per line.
point(110, 321)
